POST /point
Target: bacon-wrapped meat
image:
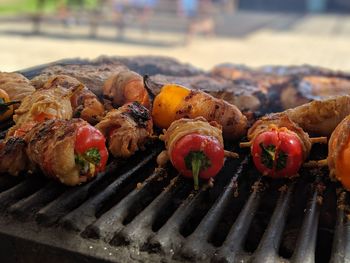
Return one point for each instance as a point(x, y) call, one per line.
point(16, 85)
point(195, 148)
point(339, 153)
point(124, 87)
point(70, 151)
point(85, 104)
point(278, 145)
point(127, 129)
point(42, 105)
point(175, 102)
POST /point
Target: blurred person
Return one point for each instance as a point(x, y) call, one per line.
point(120, 8)
point(199, 14)
point(143, 10)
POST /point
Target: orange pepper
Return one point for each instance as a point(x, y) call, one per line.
point(343, 166)
point(167, 103)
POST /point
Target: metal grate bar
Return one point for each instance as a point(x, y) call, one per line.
point(306, 244)
point(7, 182)
point(75, 220)
point(112, 221)
point(168, 239)
point(196, 245)
point(235, 238)
point(140, 229)
point(20, 191)
point(341, 241)
point(269, 244)
point(76, 196)
point(28, 206)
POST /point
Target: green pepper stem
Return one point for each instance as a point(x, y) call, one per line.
point(196, 167)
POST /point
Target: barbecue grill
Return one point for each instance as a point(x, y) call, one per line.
point(135, 212)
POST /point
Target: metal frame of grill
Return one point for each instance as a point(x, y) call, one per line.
point(134, 212)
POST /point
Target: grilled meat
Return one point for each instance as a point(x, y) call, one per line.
point(41, 105)
point(52, 146)
point(15, 85)
point(279, 121)
point(127, 129)
point(124, 87)
point(13, 157)
point(85, 104)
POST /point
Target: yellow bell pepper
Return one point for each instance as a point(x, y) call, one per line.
point(167, 103)
point(6, 108)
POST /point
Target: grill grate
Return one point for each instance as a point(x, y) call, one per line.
point(134, 212)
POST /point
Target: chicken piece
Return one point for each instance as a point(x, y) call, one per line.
point(339, 153)
point(127, 129)
point(42, 105)
point(85, 104)
point(319, 118)
point(13, 157)
point(16, 85)
point(55, 147)
point(124, 87)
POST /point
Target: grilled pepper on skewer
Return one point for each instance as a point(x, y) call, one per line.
point(175, 102)
point(70, 151)
point(195, 148)
point(279, 146)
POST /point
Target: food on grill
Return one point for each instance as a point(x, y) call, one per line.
point(277, 152)
point(127, 129)
point(124, 87)
point(279, 146)
point(339, 153)
point(6, 106)
point(175, 102)
point(70, 151)
point(243, 94)
point(195, 147)
point(319, 118)
point(85, 104)
point(13, 157)
point(16, 85)
point(42, 105)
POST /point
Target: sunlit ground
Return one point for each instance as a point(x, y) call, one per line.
point(322, 40)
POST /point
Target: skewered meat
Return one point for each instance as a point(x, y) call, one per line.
point(70, 151)
point(282, 120)
point(41, 105)
point(339, 153)
point(85, 104)
point(194, 147)
point(13, 157)
point(127, 129)
point(15, 85)
point(124, 87)
point(245, 95)
point(175, 102)
point(320, 118)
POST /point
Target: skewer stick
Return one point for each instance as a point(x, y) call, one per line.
point(319, 140)
point(314, 164)
point(231, 154)
point(245, 144)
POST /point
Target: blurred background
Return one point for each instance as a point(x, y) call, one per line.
point(200, 32)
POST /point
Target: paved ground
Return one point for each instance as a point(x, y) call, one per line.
point(252, 39)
